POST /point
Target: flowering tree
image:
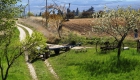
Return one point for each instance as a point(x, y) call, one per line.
point(117, 23)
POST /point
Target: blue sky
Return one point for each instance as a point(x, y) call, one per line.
point(37, 5)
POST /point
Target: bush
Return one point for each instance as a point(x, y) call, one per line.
point(86, 15)
point(70, 15)
point(30, 14)
point(73, 38)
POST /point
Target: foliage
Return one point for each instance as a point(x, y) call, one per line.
point(35, 44)
point(68, 10)
point(71, 37)
point(30, 14)
point(45, 14)
point(117, 23)
point(8, 12)
point(94, 66)
point(88, 13)
point(55, 20)
point(70, 15)
point(11, 49)
point(55, 8)
point(91, 10)
point(99, 14)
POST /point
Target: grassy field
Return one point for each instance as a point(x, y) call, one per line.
point(97, 66)
point(91, 65)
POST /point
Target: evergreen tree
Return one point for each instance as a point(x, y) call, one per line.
point(91, 10)
point(77, 12)
point(40, 14)
point(68, 10)
point(74, 12)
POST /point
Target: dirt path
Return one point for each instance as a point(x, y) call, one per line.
point(22, 37)
point(22, 33)
point(31, 21)
point(51, 70)
point(30, 66)
point(28, 29)
point(36, 25)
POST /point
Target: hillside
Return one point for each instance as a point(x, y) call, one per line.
point(80, 26)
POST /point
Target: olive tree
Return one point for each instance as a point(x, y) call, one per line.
point(117, 23)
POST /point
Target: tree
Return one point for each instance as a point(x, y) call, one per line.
point(91, 10)
point(40, 14)
point(68, 10)
point(88, 13)
point(77, 12)
point(117, 23)
point(56, 20)
point(10, 48)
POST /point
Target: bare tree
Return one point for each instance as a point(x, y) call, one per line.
point(56, 19)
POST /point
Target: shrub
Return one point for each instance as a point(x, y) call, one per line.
point(70, 15)
point(30, 14)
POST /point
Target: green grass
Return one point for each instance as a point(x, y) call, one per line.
point(96, 66)
point(42, 71)
point(19, 70)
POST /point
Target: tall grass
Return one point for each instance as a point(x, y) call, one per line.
point(96, 66)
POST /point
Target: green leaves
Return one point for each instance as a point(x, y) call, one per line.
point(35, 43)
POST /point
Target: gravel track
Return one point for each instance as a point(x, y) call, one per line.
point(22, 37)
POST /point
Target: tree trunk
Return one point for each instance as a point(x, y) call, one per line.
point(59, 29)
point(119, 48)
point(59, 34)
point(119, 52)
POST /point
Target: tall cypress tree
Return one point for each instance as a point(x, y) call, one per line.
point(77, 12)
